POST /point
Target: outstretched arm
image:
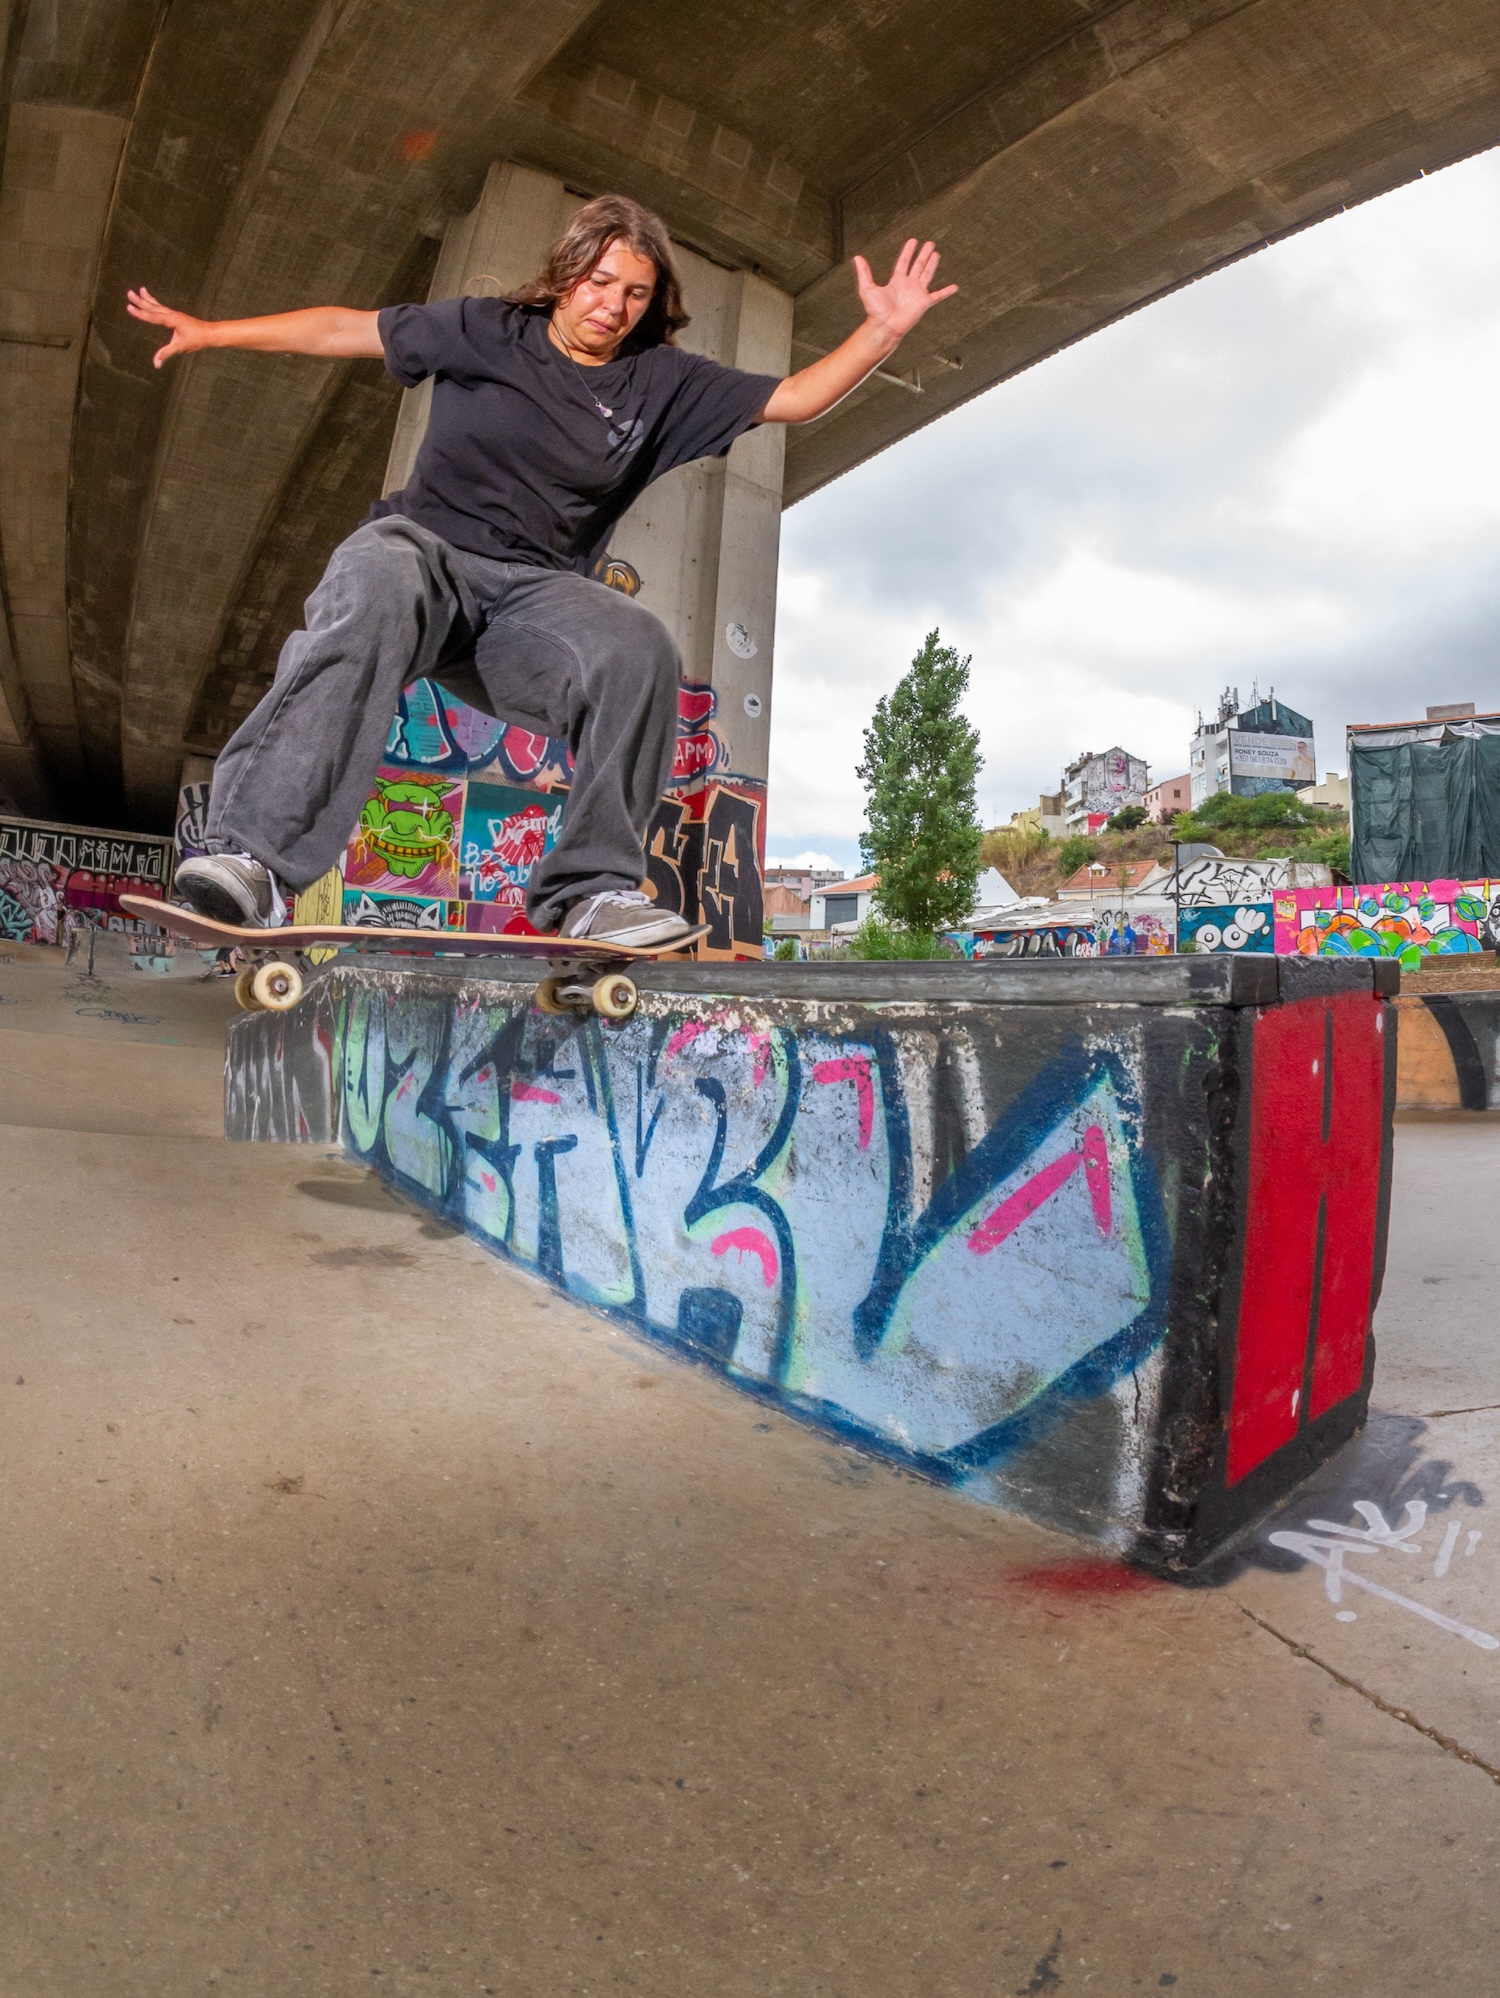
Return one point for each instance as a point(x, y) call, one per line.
point(333, 332)
point(891, 311)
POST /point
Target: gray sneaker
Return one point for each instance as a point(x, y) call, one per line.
point(231, 888)
point(623, 916)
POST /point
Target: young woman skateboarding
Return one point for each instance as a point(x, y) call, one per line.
point(552, 410)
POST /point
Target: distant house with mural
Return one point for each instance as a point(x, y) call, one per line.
point(1096, 786)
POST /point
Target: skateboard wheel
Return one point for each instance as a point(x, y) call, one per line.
point(548, 998)
point(244, 998)
point(277, 986)
point(615, 996)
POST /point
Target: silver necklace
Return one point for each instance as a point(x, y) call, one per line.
point(605, 412)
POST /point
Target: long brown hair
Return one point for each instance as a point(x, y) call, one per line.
point(613, 218)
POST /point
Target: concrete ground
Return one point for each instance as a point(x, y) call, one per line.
point(370, 1614)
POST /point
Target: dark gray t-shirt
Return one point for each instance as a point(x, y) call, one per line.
point(518, 461)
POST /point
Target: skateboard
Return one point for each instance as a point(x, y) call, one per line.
point(582, 978)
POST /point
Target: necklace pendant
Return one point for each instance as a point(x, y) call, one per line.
point(601, 409)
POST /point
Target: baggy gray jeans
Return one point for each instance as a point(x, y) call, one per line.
point(548, 648)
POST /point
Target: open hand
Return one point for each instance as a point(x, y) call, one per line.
point(898, 305)
point(187, 332)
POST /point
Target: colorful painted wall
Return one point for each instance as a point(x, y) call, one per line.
point(1103, 933)
point(1231, 927)
point(999, 1242)
point(48, 872)
point(464, 806)
point(1406, 920)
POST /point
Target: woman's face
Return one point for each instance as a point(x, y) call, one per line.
point(603, 309)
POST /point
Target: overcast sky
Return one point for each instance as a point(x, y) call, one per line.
point(1288, 472)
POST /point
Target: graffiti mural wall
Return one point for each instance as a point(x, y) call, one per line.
point(48, 871)
point(1128, 932)
point(995, 1246)
point(464, 807)
point(1406, 920)
point(1236, 926)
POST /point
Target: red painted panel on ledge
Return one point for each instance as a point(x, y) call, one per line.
point(1301, 1051)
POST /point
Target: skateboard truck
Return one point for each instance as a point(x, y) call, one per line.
point(612, 995)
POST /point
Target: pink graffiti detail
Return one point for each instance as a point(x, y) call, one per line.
point(762, 1046)
point(487, 1181)
point(525, 752)
point(998, 1226)
point(527, 1092)
point(684, 1038)
point(1096, 1172)
point(520, 840)
point(695, 705)
point(855, 1069)
point(751, 1242)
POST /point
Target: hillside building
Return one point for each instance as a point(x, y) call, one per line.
point(1265, 747)
point(1165, 800)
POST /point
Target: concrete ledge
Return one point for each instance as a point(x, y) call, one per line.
point(1097, 1241)
point(1134, 981)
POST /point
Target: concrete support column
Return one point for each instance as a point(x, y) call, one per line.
point(705, 539)
point(493, 249)
point(24, 785)
point(700, 548)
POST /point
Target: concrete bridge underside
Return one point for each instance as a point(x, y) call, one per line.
point(1075, 158)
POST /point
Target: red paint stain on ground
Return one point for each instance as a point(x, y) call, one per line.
point(1085, 1580)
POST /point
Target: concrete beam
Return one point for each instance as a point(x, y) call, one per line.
point(1138, 153)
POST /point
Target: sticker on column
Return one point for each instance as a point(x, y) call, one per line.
point(752, 706)
point(740, 643)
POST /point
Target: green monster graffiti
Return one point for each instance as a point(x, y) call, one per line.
point(404, 823)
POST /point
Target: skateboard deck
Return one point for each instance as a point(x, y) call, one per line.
point(587, 973)
point(209, 935)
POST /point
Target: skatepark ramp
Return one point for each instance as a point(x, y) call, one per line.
point(1094, 1240)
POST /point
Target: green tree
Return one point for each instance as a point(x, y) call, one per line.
point(1076, 851)
point(921, 759)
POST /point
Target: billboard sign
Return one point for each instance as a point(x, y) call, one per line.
point(1289, 758)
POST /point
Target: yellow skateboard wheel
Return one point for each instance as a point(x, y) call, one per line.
point(277, 986)
point(615, 996)
point(244, 998)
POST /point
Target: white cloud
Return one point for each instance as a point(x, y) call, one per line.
point(1287, 472)
point(818, 862)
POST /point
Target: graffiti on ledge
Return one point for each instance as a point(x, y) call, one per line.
point(750, 1192)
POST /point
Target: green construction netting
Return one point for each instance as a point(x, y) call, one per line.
point(1429, 808)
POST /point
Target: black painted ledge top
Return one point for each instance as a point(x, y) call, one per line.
point(1257, 980)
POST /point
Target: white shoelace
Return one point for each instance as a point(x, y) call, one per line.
point(623, 898)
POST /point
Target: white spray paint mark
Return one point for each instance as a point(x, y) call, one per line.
point(1345, 1616)
point(1328, 1545)
point(1445, 1552)
point(1375, 1532)
point(1474, 1533)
